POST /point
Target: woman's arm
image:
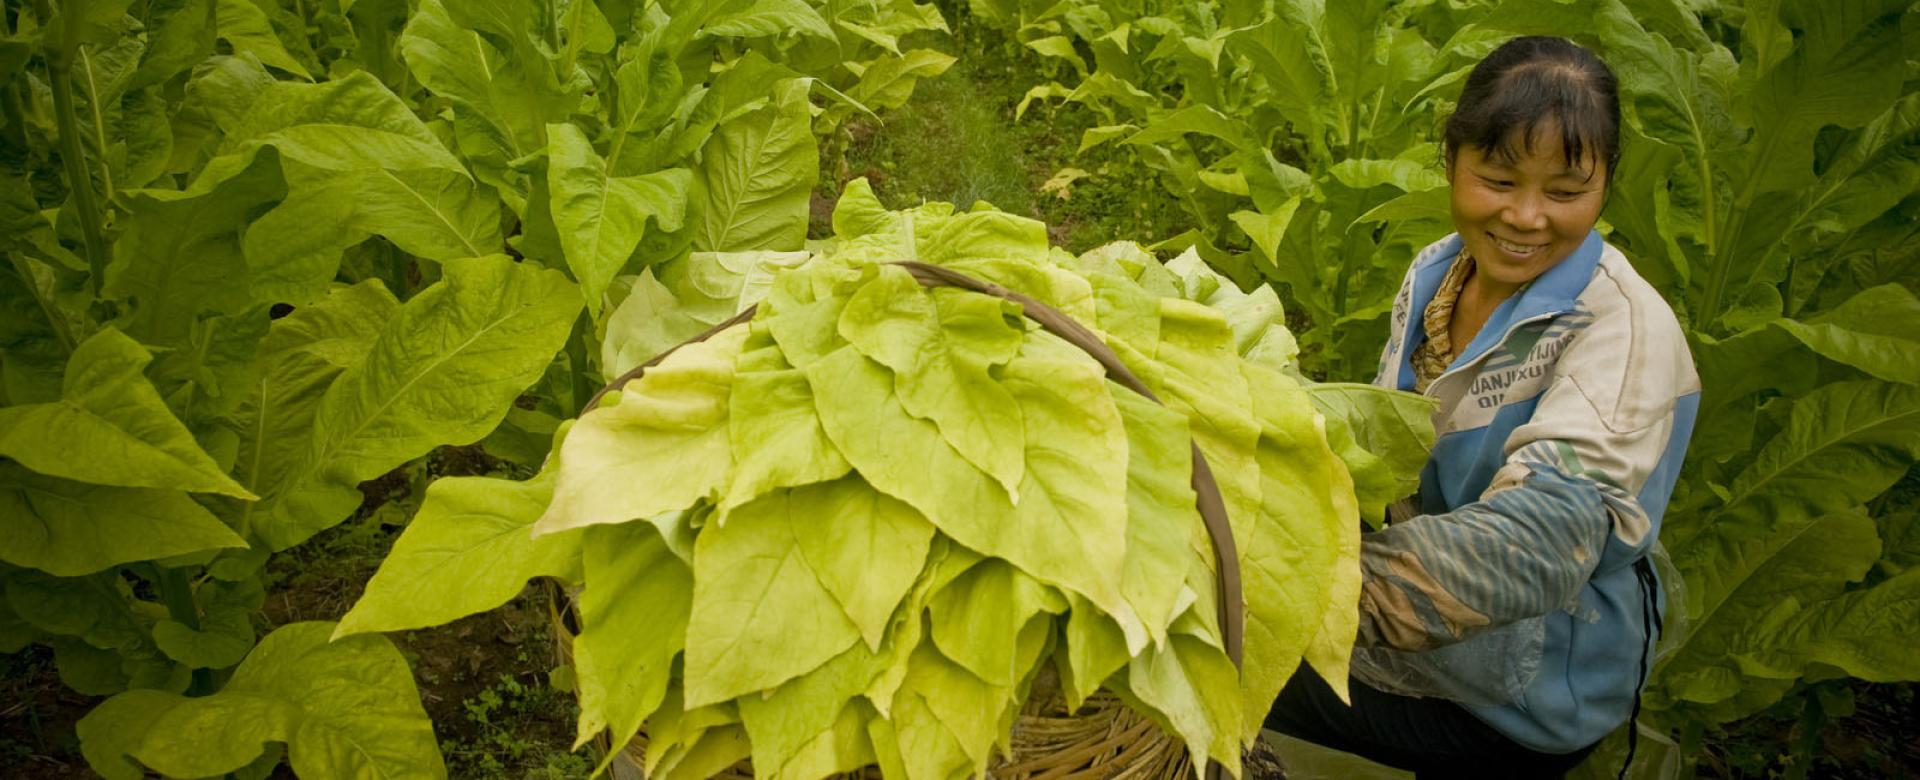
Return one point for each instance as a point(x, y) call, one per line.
point(1582, 488)
point(1518, 553)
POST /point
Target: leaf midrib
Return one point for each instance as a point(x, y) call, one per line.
point(332, 444)
point(1843, 436)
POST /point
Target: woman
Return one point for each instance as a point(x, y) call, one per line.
point(1508, 615)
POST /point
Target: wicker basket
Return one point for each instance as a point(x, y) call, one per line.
point(1101, 740)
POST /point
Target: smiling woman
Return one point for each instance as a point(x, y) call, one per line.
point(1507, 614)
point(1529, 152)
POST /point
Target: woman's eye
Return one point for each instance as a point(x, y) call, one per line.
point(1500, 183)
point(1565, 194)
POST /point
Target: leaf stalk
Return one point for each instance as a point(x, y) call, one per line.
point(73, 155)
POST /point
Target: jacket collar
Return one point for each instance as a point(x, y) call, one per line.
point(1553, 292)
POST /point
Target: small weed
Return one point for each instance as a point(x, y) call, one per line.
point(958, 141)
point(510, 734)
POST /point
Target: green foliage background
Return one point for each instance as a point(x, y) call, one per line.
point(260, 253)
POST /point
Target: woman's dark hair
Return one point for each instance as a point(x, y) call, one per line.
point(1535, 80)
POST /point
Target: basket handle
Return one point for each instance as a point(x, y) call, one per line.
point(1213, 510)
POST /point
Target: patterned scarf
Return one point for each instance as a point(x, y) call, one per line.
point(1432, 357)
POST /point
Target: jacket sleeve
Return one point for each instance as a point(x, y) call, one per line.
point(1570, 498)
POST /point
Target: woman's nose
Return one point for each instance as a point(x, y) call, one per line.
point(1524, 211)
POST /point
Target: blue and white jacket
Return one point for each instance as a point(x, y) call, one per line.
point(1509, 582)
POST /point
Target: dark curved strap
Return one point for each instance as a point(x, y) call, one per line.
point(1213, 510)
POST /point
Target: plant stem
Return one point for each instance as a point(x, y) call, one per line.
point(1723, 262)
point(99, 127)
point(577, 364)
point(74, 158)
point(1812, 719)
point(176, 591)
point(16, 115)
point(1690, 738)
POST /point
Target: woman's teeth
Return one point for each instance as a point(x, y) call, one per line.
point(1518, 249)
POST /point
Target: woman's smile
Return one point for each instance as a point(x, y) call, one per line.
point(1517, 249)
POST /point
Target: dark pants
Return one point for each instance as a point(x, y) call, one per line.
point(1434, 738)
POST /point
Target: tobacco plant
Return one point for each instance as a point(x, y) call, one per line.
point(260, 253)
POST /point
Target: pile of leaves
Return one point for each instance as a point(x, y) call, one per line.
point(854, 529)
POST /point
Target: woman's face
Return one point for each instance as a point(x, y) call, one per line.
point(1519, 217)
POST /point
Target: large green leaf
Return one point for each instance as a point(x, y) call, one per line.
point(1181, 682)
point(101, 634)
point(1193, 371)
point(1330, 652)
point(1859, 181)
point(1876, 331)
point(787, 723)
point(1382, 436)
point(946, 718)
point(1161, 510)
point(769, 17)
point(942, 346)
point(1642, 210)
point(245, 27)
point(1290, 57)
point(298, 360)
point(776, 435)
point(1786, 528)
point(889, 81)
point(1828, 80)
point(343, 709)
point(1677, 97)
point(1294, 550)
point(502, 103)
point(443, 370)
point(659, 446)
point(111, 427)
point(1257, 318)
point(1740, 575)
point(601, 217)
point(1095, 650)
point(1900, 541)
point(1203, 120)
point(761, 615)
point(677, 300)
point(1869, 633)
point(633, 623)
point(755, 175)
point(182, 256)
point(1843, 444)
point(225, 633)
point(1877, 168)
point(466, 551)
point(1067, 531)
point(843, 747)
point(867, 548)
point(976, 618)
point(72, 528)
point(1835, 75)
point(357, 163)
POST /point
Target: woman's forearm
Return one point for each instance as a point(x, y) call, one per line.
point(1518, 553)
